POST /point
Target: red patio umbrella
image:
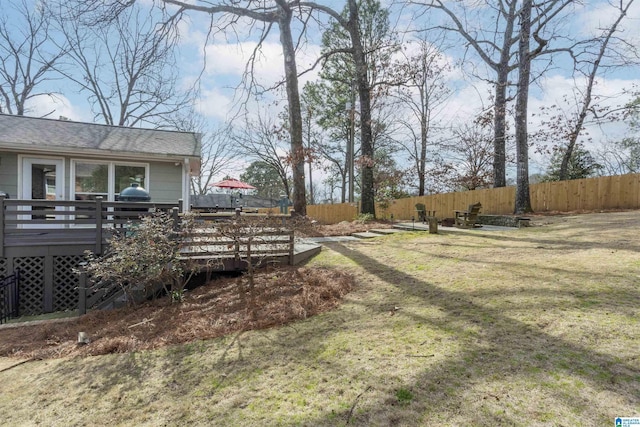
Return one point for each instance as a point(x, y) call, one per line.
point(233, 184)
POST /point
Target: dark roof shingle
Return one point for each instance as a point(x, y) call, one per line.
point(69, 135)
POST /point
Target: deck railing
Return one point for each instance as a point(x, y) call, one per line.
point(29, 217)
point(47, 240)
point(25, 220)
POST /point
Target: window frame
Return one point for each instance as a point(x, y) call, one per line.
point(111, 174)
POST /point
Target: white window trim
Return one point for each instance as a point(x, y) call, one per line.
point(111, 174)
point(20, 193)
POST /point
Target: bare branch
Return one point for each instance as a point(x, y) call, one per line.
point(25, 61)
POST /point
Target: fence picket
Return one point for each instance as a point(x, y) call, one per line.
point(601, 193)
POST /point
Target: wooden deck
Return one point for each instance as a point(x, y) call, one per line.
point(33, 227)
point(47, 240)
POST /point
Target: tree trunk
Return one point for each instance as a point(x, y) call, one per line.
point(343, 192)
point(500, 127)
point(295, 115)
point(523, 200)
point(502, 69)
point(311, 196)
point(367, 199)
point(310, 159)
point(423, 146)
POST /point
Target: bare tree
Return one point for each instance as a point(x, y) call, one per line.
point(619, 157)
point(218, 152)
point(467, 157)
point(423, 93)
point(27, 56)
point(218, 155)
point(314, 138)
point(351, 24)
point(262, 140)
point(126, 65)
point(496, 43)
point(623, 156)
point(279, 13)
point(593, 65)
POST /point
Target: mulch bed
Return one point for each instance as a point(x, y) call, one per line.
point(218, 308)
point(344, 228)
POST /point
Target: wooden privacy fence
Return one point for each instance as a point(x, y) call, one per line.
point(607, 192)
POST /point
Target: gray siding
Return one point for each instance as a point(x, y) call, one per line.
point(165, 182)
point(165, 178)
point(9, 173)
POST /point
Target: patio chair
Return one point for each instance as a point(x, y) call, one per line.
point(468, 218)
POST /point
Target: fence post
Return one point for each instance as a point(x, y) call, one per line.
point(98, 249)
point(2, 225)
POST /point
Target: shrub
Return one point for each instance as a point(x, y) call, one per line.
point(144, 258)
point(364, 218)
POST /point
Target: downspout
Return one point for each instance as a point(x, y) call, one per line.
point(186, 185)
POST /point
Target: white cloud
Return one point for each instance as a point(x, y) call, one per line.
point(231, 59)
point(54, 107)
point(189, 33)
point(466, 103)
point(214, 104)
point(596, 16)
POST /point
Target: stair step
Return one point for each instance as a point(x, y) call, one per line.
point(365, 235)
point(412, 227)
point(385, 231)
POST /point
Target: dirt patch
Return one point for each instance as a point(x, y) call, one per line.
point(281, 296)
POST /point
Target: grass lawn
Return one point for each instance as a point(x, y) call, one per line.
point(527, 327)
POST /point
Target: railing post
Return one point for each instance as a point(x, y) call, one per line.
point(236, 257)
point(175, 214)
point(82, 293)
point(2, 225)
point(17, 297)
point(291, 251)
point(98, 249)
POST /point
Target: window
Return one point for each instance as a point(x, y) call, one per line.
point(127, 175)
point(91, 180)
point(105, 179)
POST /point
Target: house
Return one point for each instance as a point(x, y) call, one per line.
point(66, 160)
point(62, 166)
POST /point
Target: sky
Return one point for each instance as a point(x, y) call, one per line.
point(218, 61)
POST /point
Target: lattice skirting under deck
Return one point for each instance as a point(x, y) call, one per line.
point(48, 283)
point(65, 282)
point(31, 284)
